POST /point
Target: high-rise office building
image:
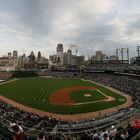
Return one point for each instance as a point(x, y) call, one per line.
point(15, 53)
point(60, 54)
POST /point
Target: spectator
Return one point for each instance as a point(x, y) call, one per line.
point(41, 136)
point(136, 124)
point(112, 132)
point(124, 134)
point(102, 133)
point(17, 134)
point(20, 128)
point(130, 129)
point(105, 136)
point(95, 135)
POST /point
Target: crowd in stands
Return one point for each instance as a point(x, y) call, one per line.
point(26, 119)
point(58, 73)
point(107, 66)
point(111, 67)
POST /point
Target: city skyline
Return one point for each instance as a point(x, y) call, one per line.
point(88, 24)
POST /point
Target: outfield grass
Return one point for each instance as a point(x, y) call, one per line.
point(34, 92)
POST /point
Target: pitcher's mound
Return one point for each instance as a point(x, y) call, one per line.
point(87, 95)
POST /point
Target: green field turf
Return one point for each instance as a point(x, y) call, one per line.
point(95, 96)
point(34, 92)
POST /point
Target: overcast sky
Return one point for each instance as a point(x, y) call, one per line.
point(91, 25)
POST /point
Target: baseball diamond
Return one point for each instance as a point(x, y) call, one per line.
point(63, 96)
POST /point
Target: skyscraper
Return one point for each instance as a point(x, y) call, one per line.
point(32, 57)
point(15, 53)
point(39, 56)
point(60, 54)
point(69, 52)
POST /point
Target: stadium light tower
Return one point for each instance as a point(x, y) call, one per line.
point(76, 51)
point(122, 51)
point(117, 54)
point(127, 51)
point(75, 46)
point(72, 46)
point(138, 50)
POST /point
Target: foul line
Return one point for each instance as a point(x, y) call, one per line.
point(108, 99)
point(103, 93)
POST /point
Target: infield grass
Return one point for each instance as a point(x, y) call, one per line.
point(94, 95)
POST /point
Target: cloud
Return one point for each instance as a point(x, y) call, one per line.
point(91, 25)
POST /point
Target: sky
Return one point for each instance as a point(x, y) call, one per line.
point(87, 25)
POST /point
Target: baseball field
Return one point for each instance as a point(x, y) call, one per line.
point(61, 95)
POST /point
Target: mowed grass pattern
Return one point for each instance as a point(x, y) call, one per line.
point(34, 92)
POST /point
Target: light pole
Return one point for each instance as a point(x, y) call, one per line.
point(127, 51)
point(138, 50)
point(117, 54)
point(81, 68)
point(122, 51)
